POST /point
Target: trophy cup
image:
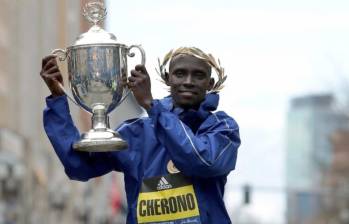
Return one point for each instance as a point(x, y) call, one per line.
point(97, 68)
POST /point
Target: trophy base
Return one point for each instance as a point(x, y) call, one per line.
point(100, 141)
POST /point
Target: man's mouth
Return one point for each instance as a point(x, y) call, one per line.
point(186, 93)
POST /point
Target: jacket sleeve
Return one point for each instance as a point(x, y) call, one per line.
point(209, 153)
point(62, 133)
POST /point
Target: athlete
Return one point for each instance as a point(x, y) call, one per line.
point(178, 158)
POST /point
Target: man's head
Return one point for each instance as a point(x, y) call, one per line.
point(189, 79)
point(189, 76)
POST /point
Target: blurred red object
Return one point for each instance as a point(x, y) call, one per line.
point(115, 196)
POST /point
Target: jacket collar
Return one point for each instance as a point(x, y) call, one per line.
point(209, 104)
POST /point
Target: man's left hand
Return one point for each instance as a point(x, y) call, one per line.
point(140, 85)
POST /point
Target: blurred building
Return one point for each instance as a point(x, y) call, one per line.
point(33, 186)
point(311, 121)
point(335, 207)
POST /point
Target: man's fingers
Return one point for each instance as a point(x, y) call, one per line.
point(50, 63)
point(132, 82)
point(141, 68)
point(132, 79)
point(47, 58)
point(59, 77)
point(53, 69)
point(130, 85)
point(135, 73)
point(53, 77)
point(139, 79)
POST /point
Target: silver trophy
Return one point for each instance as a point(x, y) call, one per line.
point(97, 67)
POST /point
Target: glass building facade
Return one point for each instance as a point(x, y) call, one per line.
point(311, 121)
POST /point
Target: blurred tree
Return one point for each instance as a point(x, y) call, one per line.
point(335, 189)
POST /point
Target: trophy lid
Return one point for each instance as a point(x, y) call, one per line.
point(96, 35)
point(95, 12)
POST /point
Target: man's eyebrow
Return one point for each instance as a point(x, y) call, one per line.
point(200, 70)
point(178, 69)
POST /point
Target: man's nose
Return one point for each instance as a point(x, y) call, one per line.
point(188, 80)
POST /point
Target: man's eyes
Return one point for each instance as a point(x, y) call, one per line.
point(197, 75)
point(200, 75)
point(179, 73)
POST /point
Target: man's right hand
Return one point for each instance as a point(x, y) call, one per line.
point(52, 76)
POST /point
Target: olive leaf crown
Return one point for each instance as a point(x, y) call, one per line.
point(196, 52)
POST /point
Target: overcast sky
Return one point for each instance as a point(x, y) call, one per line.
point(272, 51)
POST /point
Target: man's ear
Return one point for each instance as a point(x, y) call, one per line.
point(211, 83)
point(167, 78)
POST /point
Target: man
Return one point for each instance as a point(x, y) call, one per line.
point(178, 158)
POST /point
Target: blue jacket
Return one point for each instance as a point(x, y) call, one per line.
point(202, 145)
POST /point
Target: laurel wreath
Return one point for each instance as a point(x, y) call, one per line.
point(196, 52)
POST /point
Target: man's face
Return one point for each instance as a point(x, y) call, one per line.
point(189, 79)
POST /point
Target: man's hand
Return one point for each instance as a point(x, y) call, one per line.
point(139, 83)
point(51, 75)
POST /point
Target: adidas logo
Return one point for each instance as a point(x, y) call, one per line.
point(163, 184)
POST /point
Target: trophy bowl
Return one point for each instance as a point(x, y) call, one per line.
point(97, 68)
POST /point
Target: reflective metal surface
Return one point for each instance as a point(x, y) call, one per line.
point(97, 68)
point(96, 73)
point(96, 35)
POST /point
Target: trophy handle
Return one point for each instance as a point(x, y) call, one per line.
point(131, 54)
point(60, 53)
point(62, 57)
